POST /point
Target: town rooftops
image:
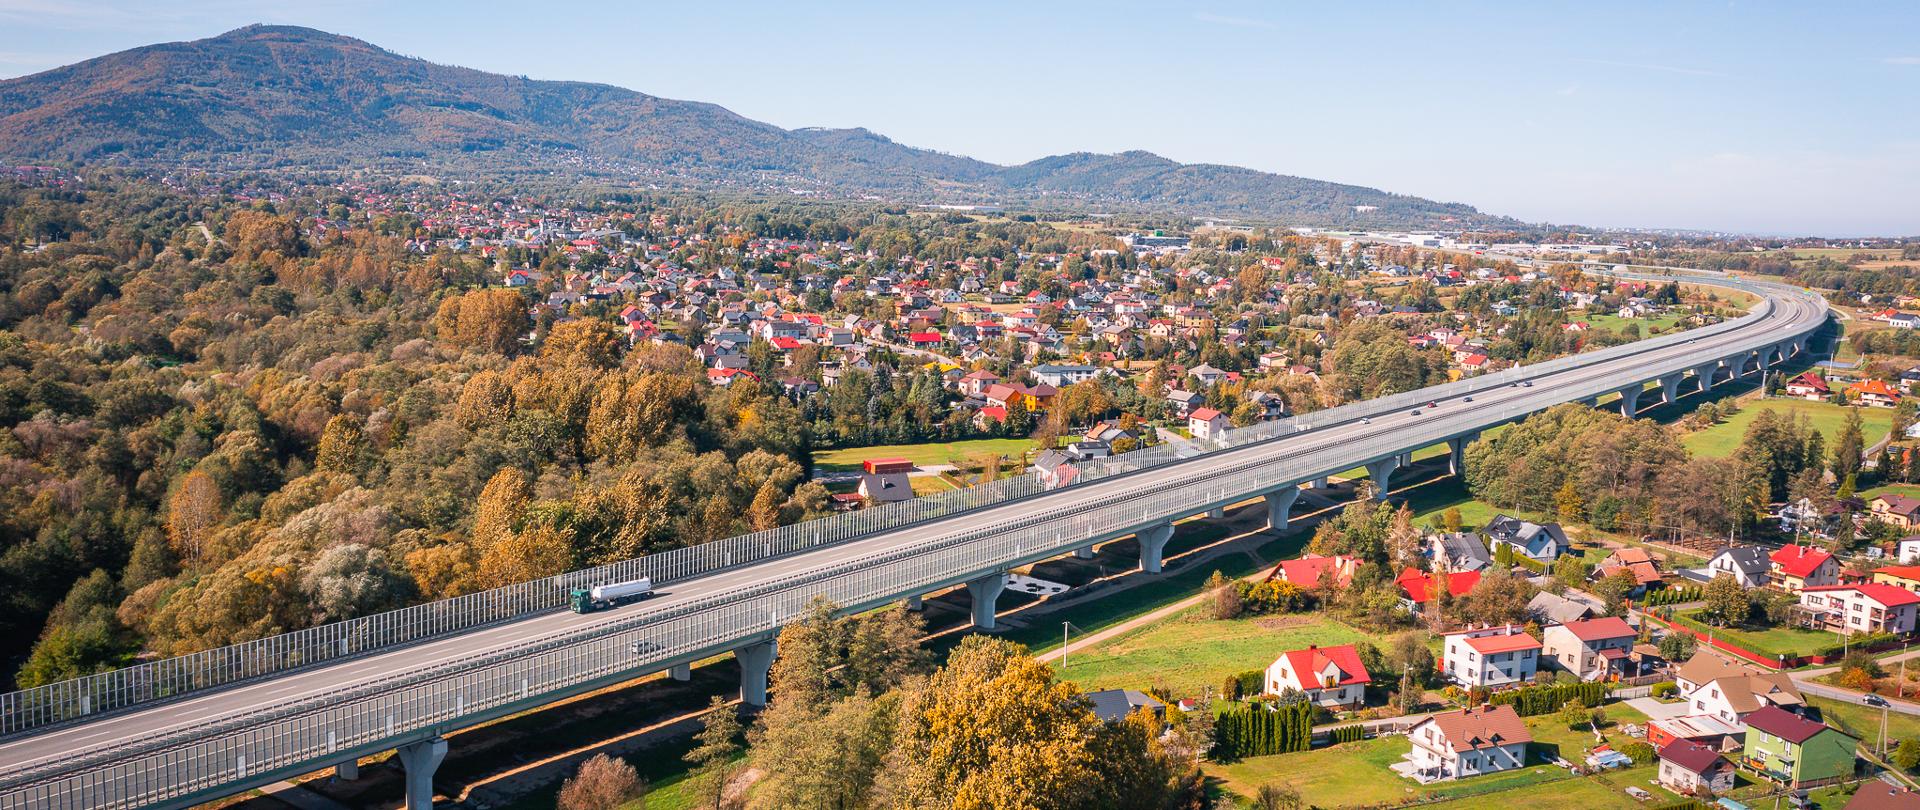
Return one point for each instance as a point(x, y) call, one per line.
point(1784, 724)
point(1750, 560)
point(1900, 504)
point(1310, 664)
point(1600, 629)
point(1800, 561)
point(1886, 595)
point(1908, 572)
point(1549, 606)
point(1485, 727)
point(1691, 756)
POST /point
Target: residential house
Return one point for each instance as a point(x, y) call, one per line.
point(1468, 742)
point(1539, 542)
point(1909, 549)
point(1115, 705)
point(885, 480)
point(1329, 676)
point(1809, 386)
point(1636, 562)
point(1592, 649)
point(976, 383)
point(1795, 567)
point(1702, 729)
point(1691, 769)
point(1873, 393)
point(1061, 376)
point(1794, 751)
point(1547, 607)
point(1460, 551)
point(1184, 402)
point(1207, 423)
point(1208, 375)
point(1877, 795)
point(1418, 587)
point(1308, 571)
point(1896, 510)
point(1490, 657)
point(1867, 608)
point(1716, 687)
point(1748, 565)
point(1055, 469)
point(1899, 576)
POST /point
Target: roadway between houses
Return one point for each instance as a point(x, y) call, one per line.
point(1285, 462)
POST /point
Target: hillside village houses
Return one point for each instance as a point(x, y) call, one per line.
point(1592, 649)
point(1466, 742)
point(1490, 657)
point(1333, 677)
point(1795, 567)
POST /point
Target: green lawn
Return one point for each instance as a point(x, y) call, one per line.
point(1190, 652)
point(1774, 641)
point(1355, 774)
point(1665, 322)
point(1864, 721)
point(1721, 439)
point(849, 458)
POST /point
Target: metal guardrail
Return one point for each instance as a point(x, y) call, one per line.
point(183, 762)
point(170, 678)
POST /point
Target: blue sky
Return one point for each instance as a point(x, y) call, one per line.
point(1776, 118)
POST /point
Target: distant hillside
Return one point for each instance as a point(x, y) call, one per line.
point(285, 96)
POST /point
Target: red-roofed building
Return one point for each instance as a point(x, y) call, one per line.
point(1490, 656)
point(1593, 649)
point(1206, 423)
point(1873, 393)
point(990, 416)
point(924, 339)
point(1809, 386)
point(1899, 576)
point(1330, 676)
point(1307, 571)
point(1690, 768)
point(1416, 586)
point(1869, 608)
point(1796, 567)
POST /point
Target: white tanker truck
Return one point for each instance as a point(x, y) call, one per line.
point(614, 594)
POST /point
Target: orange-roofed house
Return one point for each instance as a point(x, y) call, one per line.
point(1795, 568)
point(1869, 608)
point(1468, 742)
point(1206, 423)
point(1329, 676)
point(1873, 393)
point(1308, 571)
point(1492, 657)
point(1899, 576)
point(1417, 587)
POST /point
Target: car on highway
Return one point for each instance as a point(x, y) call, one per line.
point(1416, 411)
point(1433, 404)
point(1526, 383)
point(1467, 399)
point(1874, 700)
point(1365, 421)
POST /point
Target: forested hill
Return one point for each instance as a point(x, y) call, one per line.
point(286, 96)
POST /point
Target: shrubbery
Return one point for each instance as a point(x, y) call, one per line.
point(1534, 700)
point(1258, 729)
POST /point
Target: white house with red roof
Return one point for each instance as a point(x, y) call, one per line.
point(1206, 423)
point(1492, 657)
point(1418, 587)
point(1308, 571)
point(1592, 649)
point(1873, 393)
point(1329, 676)
point(1796, 567)
point(1809, 386)
point(1874, 607)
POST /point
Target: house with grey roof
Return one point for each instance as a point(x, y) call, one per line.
point(1535, 541)
point(1461, 551)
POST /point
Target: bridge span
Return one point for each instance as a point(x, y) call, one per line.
point(178, 732)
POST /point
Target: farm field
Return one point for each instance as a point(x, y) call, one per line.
point(1192, 652)
point(1826, 417)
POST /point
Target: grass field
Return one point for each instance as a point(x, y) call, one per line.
point(1665, 322)
point(1774, 641)
point(1721, 439)
point(1355, 774)
point(1191, 652)
point(849, 458)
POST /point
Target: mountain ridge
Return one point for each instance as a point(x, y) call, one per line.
point(264, 96)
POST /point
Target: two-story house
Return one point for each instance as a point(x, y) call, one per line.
point(1796, 567)
point(1535, 541)
point(1207, 423)
point(1329, 676)
point(1899, 576)
point(1492, 657)
point(1795, 751)
point(1468, 742)
point(1593, 649)
point(1895, 509)
point(1715, 687)
point(1874, 607)
point(1748, 565)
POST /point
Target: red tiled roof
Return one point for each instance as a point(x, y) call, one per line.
point(1419, 586)
point(1306, 571)
point(1600, 629)
point(1799, 561)
point(1309, 663)
point(1488, 645)
point(1205, 414)
point(1902, 571)
point(1888, 595)
point(1691, 756)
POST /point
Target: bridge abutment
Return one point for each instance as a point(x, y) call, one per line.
point(1280, 507)
point(985, 592)
point(420, 760)
point(1153, 542)
point(1382, 474)
point(755, 660)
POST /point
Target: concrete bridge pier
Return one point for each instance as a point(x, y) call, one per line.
point(915, 602)
point(347, 770)
point(1319, 483)
point(681, 672)
point(420, 760)
point(1406, 459)
point(1629, 401)
point(1670, 388)
point(1280, 507)
point(1592, 402)
point(985, 592)
point(1084, 553)
point(1217, 512)
point(1382, 474)
point(755, 660)
point(1705, 375)
point(1457, 453)
point(1152, 543)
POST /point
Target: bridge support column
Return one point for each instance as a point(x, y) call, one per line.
point(915, 602)
point(421, 759)
point(1280, 507)
point(755, 660)
point(1217, 512)
point(681, 672)
point(1382, 474)
point(1083, 553)
point(985, 592)
point(347, 770)
point(1705, 375)
point(1669, 388)
point(1152, 543)
point(1457, 453)
point(1406, 459)
point(1629, 401)
point(1593, 402)
point(1319, 483)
